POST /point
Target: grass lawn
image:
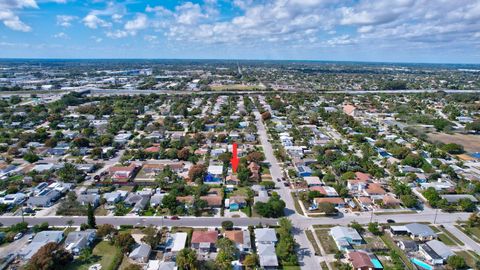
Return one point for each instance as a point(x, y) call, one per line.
point(296, 267)
point(399, 212)
point(326, 241)
point(103, 253)
point(446, 240)
point(470, 257)
point(101, 211)
point(296, 202)
point(389, 242)
point(311, 238)
point(236, 87)
point(323, 265)
point(451, 236)
point(474, 232)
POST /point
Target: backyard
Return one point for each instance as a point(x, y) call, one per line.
point(104, 253)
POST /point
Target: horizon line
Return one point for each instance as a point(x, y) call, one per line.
point(241, 59)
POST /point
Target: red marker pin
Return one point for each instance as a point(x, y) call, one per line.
point(234, 159)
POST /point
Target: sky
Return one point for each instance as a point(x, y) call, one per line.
point(432, 31)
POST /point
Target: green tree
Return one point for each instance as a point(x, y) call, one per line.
point(187, 259)
point(31, 157)
point(250, 261)
point(91, 216)
point(152, 236)
point(51, 256)
point(432, 196)
point(456, 262)
point(453, 148)
point(273, 208)
point(327, 208)
point(357, 226)
point(124, 241)
point(227, 225)
point(373, 228)
point(226, 253)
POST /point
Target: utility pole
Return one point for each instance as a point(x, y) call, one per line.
point(23, 218)
point(435, 218)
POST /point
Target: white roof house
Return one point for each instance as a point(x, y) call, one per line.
point(40, 239)
point(176, 242)
point(265, 236)
point(215, 169)
point(267, 255)
point(313, 181)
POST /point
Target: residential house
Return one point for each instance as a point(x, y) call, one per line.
point(254, 171)
point(176, 242)
point(267, 256)
point(86, 199)
point(407, 245)
point(77, 241)
point(214, 174)
point(122, 173)
point(241, 238)
point(204, 241)
point(265, 241)
point(345, 237)
point(13, 199)
point(141, 253)
point(390, 201)
point(360, 260)
point(40, 239)
point(325, 190)
point(350, 110)
point(336, 201)
point(416, 231)
point(232, 180)
point(237, 202)
point(213, 201)
point(265, 236)
point(313, 181)
point(46, 198)
point(435, 252)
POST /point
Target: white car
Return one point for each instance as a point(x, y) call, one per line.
point(17, 236)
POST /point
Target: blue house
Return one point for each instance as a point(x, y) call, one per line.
point(304, 171)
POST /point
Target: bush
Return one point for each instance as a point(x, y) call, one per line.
point(227, 225)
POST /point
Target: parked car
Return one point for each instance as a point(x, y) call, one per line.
point(174, 218)
point(30, 238)
point(390, 221)
point(17, 236)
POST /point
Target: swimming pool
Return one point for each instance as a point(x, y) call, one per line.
point(475, 155)
point(422, 264)
point(376, 263)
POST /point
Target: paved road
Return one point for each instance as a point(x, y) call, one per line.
point(96, 91)
point(469, 243)
point(306, 257)
point(14, 247)
point(140, 221)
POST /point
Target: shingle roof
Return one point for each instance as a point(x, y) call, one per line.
point(204, 237)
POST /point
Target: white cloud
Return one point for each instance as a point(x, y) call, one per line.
point(140, 22)
point(117, 34)
point(61, 35)
point(65, 20)
point(8, 16)
point(93, 22)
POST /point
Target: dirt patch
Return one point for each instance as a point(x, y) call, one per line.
point(471, 143)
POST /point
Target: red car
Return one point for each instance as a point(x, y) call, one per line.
point(174, 218)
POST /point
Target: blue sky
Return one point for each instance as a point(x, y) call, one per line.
point(442, 31)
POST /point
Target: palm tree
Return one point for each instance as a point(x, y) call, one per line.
point(187, 259)
point(70, 223)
